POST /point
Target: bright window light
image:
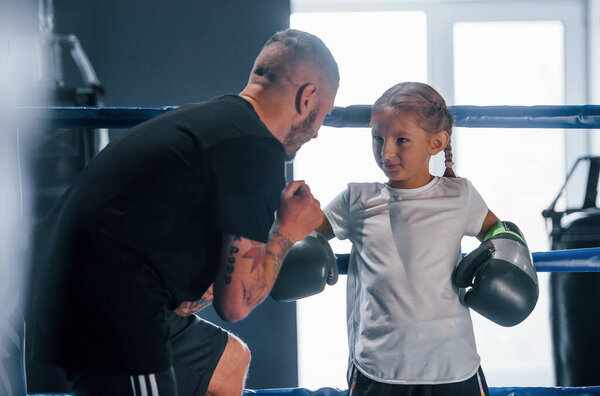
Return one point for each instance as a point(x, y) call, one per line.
point(517, 171)
point(374, 51)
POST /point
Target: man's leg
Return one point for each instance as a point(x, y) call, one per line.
point(230, 375)
point(206, 358)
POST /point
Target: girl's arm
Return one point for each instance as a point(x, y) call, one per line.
point(489, 221)
point(325, 228)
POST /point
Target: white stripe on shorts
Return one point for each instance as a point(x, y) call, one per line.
point(132, 385)
point(143, 390)
point(153, 385)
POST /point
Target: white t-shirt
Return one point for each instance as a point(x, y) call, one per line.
point(405, 323)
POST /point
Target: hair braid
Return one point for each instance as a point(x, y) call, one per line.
point(449, 172)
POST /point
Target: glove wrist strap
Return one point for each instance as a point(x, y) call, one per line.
point(500, 228)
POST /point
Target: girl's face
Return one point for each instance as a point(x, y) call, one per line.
point(402, 149)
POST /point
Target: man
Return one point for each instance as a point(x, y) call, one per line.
point(182, 202)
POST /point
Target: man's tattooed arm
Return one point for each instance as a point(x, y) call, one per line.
point(247, 273)
point(264, 276)
point(189, 307)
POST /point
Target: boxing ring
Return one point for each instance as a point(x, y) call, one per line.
point(557, 117)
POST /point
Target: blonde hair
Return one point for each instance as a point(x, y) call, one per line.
point(427, 105)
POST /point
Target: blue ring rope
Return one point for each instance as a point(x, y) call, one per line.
point(572, 260)
point(562, 117)
point(494, 391)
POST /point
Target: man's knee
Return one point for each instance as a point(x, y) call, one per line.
point(238, 351)
point(229, 376)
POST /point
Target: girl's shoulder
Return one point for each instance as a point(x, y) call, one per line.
point(456, 181)
point(362, 192)
point(456, 185)
point(364, 188)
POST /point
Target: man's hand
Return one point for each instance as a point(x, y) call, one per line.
point(299, 212)
point(187, 308)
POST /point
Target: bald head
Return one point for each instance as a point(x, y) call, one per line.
point(292, 87)
point(291, 55)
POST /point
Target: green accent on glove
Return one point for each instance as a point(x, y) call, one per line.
point(501, 229)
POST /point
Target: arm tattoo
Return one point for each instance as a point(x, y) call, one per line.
point(254, 293)
point(284, 245)
point(271, 256)
point(284, 242)
point(230, 261)
point(256, 253)
point(245, 291)
point(187, 308)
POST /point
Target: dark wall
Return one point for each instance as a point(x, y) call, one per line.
point(160, 52)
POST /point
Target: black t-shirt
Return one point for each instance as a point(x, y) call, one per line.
point(150, 211)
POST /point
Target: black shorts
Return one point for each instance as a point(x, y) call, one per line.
point(196, 348)
point(360, 385)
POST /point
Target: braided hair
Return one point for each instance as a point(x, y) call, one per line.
point(427, 105)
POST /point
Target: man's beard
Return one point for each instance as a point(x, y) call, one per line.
point(300, 134)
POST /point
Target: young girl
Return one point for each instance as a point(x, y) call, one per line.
point(407, 331)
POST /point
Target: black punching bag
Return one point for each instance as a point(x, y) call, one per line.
point(575, 297)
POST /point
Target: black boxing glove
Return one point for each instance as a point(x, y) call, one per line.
point(498, 279)
point(308, 266)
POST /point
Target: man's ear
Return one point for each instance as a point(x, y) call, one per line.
point(439, 142)
point(306, 98)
